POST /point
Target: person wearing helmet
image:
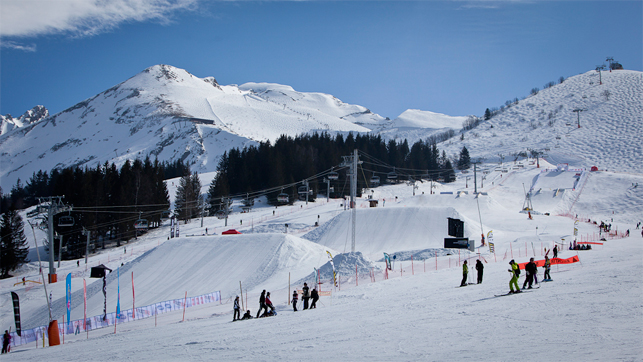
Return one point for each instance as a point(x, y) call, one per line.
point(237, 309)
point(515, 271)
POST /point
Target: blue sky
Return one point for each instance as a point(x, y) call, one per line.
point(452, 57)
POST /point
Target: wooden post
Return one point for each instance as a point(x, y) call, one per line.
point(241, 290)
point(185, 302)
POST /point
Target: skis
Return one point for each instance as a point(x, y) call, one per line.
point(504, 295)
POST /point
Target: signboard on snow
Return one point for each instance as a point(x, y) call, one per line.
point(458, 243)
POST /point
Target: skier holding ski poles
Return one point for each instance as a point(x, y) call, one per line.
point(515, 272)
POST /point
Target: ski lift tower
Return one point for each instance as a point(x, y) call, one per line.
point(54, 207)
point(578, 110)
point(352, 162)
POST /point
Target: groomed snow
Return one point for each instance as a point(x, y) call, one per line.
point(593, 310)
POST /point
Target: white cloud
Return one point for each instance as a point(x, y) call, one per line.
point(18, 46)
point(28, 18)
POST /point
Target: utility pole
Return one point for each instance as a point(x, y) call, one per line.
point(578, 110)
point(475, 182)
point(88, 233)
point(54, 207)
point(352, 162)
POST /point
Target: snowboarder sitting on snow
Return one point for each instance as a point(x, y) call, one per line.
point(315, 296)
point(294, 300)
point(515, 272)
point(247, 315)
point(531, 270)
point(5, 342)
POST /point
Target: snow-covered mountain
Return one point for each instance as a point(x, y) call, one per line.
point(167, 113)
point(8, 123)
point(610, 120)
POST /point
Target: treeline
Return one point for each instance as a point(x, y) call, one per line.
point(105, 200)
point(291, 160)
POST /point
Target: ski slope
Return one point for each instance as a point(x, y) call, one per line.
point(418, 315)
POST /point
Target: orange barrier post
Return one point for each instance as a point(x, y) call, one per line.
point(185, 301)
point(54, 337)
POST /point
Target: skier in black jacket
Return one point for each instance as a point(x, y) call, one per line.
point(531, 270)
point(480, 269)
point(315, 296)
point(262, 304)
point(305, 295)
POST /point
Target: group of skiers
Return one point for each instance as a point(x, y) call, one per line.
point(268, 308)
point(530, 268)
point(465, 272)
point(306, 294)
point(532, 274)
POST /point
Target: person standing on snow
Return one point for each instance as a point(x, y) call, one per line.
point(547, 268)
point(305, 295)
point(262, 303)
point(294, 301)
point(531, 270)
point(515, 272)
point(465, 271)
point(555, 251)
point(6, 339)
point(315, 296)
point(480, 269)
point(237, 309)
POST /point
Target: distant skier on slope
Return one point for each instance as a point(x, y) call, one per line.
point(480, 269)
point(305, 295)
point(294, 300)
point(315, 296)
point(237, 309)
point(6, 339)
point(262, 303)
point(515, 272)
point(465, 271)
point(555, 251)
point(547, 267)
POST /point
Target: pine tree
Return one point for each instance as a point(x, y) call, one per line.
point(465, 160)
point(487, 114)
point(13, 243)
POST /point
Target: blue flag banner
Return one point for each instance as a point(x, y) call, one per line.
point(68, 297)
point(118, 301)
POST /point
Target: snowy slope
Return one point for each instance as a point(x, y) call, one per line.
point(609, 136)
point(414, 125)
point(417, 316)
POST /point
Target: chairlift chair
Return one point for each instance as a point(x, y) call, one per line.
point(375, 180)
point(221, 214)
point(392, 176)
point(66, 221)
point(282, 198)
point(333, 175)
point(141, 224)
